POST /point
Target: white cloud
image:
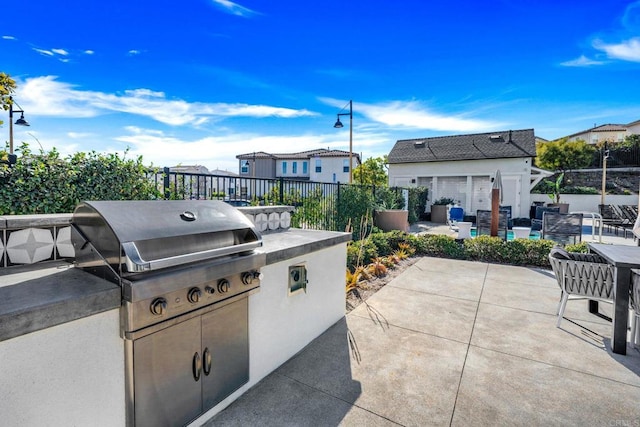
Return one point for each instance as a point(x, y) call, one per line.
point(60, 51)
point(134, 52)
point(79, 135)
point(582, 61)
point(627, 50)
point(49, 97)
point(89, 52)
point(412, 114)
point(216, 152)
point(44, 52)
point(233, 8)
point(9, 38)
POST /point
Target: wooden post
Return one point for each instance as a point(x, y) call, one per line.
point(495, 210)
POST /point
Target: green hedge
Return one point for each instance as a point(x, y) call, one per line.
point(44, 182)
point(482, 248)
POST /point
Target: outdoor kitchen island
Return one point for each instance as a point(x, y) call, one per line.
point(62, 354)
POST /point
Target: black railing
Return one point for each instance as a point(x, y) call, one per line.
point(316, 202)
point(618, 157)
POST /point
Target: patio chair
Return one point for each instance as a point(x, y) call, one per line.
point(581, 276)
point(622, 220)
point(634, 301)
point(562, 228)
point(483, 223)
point(536, 221)
point(456, 214)
point(508, 210)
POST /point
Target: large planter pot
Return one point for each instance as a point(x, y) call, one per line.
point(392, 219)
point(564, 207)
point(439, 213)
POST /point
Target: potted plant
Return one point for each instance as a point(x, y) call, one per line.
point(388, 212)
point(555, 194)
point(439, 209)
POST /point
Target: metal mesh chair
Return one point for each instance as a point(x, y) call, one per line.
point(483, 223)
point(581, 276)
point(562, 228)
point(634, 300)
point(536, 221)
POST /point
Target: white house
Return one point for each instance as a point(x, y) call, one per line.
point(320, 165)
point(462, 167)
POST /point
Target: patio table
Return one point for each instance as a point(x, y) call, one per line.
point(623, 258)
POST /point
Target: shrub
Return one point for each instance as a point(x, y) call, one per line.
point(360, 253)
point(44, 182)
point(485, 248)
point(442, 246)
point(354, 208)
point(417, 202)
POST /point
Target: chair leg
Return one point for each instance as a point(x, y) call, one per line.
point(563, 305)
point(635, 330)
point(560, 302)
point(634, 326)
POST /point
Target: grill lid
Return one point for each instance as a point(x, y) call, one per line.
point(138, 236)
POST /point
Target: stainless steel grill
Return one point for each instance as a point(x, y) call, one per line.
point(186, 269)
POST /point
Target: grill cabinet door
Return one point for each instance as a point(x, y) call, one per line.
point(166, 393)
point(225, 334)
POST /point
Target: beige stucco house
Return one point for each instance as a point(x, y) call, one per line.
point(606, 133)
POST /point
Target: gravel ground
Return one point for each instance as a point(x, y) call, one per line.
point(366, 288)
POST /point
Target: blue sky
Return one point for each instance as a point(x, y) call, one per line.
point(200, 81)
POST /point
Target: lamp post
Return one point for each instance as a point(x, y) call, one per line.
point(20, 122)
point(605, 156)
point(339, 125)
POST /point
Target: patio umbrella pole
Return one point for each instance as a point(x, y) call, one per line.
point(495, 210)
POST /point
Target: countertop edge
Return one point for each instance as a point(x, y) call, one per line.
point(50, 299)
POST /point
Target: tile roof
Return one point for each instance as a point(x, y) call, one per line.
point(490, 145)
point(609, 127)
point(320, 152)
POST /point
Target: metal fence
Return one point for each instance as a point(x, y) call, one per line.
point(618, 157)
point(316, 202)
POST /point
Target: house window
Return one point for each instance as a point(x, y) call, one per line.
point(318, 165)
point(345, 165)
point(244, 168)
point(305, 168)
point(284, 168)
point(294, 167)
point(335, 179)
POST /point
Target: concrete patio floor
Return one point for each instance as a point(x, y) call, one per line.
point(457, 343)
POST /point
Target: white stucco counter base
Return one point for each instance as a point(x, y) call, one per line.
point(280, 324)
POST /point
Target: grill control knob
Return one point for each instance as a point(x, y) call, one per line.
point(210, 290)
point(194, 295)
point(159, 306)
point(250, 276)
point(223, 286)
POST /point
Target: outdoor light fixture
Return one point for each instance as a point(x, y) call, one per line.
point(605, 156)
point(340, 125)
point(20, 122)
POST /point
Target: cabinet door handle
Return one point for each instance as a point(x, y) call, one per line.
point(207, 361)
point(197, 366)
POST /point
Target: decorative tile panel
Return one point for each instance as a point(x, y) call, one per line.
point(262, 222)
point(63, 243)
point(274, 220)
point(29, 245)
point(285, 220)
